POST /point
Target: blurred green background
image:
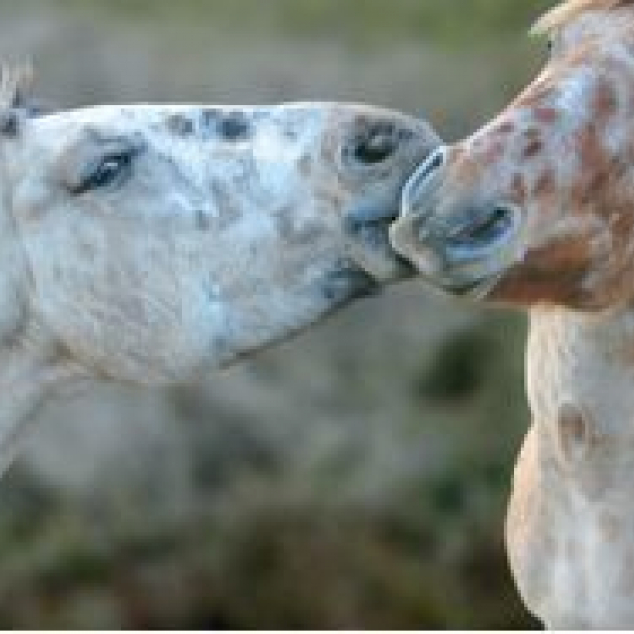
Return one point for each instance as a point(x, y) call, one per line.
point(356, 476)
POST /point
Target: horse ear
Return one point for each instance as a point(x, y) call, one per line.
point(14, 84)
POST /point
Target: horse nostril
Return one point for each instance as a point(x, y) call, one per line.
point(432, 164)
point(493, 227)
point(424, 180)
point(377, 147)
point(485, 229)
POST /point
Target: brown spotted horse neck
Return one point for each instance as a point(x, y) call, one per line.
point(536, 210)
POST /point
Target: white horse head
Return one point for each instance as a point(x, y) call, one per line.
point(153, 243)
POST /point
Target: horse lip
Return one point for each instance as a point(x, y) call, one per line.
point(370, 215)
point(370, 226)
point(349, 282)
point(372, 233)
point(369, 231)
point(470, 272)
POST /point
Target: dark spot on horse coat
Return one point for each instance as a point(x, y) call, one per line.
point(305, 165)
point(202, 220)
point(294, 231)
point(290, 130)
point(209, 122)
point(180, 125)
point(518, 188)
point(234, 126)
point(546, 184)
point(505, 128)
point(492, 153)
point(230, 126)
point(87, 250)
point(225, 201)
point(573, 431)
point(545, 115)
point(605, 101)
point(9, 124)
point(532, 134)
point(533, 148)
point(595, 166)
point(210, 116)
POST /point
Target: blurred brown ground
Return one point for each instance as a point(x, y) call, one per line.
point(353, 477)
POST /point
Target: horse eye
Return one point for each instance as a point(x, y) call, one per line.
point(111, 171)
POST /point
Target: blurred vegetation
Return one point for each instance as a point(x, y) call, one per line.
point(452, 23)
point(355, 477)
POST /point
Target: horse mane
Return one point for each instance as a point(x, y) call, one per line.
point(564, 13)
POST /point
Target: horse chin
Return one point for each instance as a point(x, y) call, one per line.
point(347, 283)
point(373, 253)
point(387, 268)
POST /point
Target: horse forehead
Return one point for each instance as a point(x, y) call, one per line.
point(570, 103)
point(228, 126)
point(243, 150)
point(208, 119)
point(600, 24)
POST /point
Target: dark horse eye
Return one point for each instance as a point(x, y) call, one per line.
point(111, 171)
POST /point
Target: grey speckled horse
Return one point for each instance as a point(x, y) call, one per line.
point(152, 244)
